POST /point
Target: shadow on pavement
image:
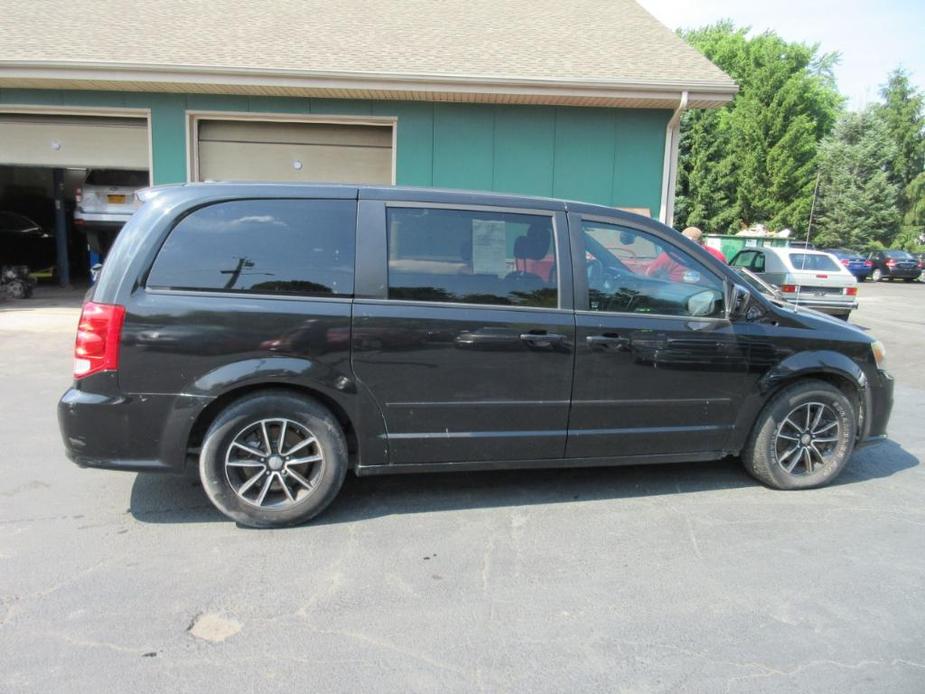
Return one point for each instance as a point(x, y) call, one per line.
point(174, 499)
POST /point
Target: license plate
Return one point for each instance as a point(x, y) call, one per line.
point(115, 199)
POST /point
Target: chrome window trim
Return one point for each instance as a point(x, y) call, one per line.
point(340, 298)
point(456, 304)
point(480, 208)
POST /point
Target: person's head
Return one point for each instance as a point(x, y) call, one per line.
point(694, 234)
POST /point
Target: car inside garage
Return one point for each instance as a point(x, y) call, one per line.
point(47, 161)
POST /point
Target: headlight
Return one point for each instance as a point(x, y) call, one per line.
point(879, 353)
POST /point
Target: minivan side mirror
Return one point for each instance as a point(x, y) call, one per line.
point(739, 299)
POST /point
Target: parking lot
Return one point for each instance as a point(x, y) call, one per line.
point(660, 578)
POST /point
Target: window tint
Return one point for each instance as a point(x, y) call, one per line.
point(758, 262)
point(303, 247)
point(471, 257)
point(634, 272)
point(810, 261)
point(744, 259)
point(898, 255)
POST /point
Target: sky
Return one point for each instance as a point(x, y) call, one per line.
point(873, 38)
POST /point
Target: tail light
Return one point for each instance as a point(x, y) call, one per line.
point(891, 263)
point(78, 195)
point(851, 291)
point(98, 333)
point(845, 262)
point(789, 288)
point(868, 263)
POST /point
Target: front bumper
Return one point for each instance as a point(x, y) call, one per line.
point(103, 428)
point(877, 408)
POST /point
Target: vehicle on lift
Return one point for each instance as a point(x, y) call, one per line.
point(804, 277)
point(893, 264)
point(278, 336)
point(23, 241)
point(105, 202)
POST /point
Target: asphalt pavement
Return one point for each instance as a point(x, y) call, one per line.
point(689, 577)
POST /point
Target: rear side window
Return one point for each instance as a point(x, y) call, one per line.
point(300, 247)
point(811, 261)
point(472, 257)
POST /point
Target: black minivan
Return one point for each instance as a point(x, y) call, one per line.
point(278, 336)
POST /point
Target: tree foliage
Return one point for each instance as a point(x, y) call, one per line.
point(755, 159)
point(857, 205)
point(901, 111)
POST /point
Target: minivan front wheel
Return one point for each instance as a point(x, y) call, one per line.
point(273, 459)
point(803, 438)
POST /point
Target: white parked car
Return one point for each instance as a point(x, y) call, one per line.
point(804, 277)
point(107, 197)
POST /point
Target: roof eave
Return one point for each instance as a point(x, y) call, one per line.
point(369, 85)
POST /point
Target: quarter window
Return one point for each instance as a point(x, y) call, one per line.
point(300, 247)
point(472, 257)
point(631, 271)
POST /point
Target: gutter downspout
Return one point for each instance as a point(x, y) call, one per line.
point(670, 165)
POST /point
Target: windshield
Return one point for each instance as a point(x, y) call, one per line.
point(812, 261)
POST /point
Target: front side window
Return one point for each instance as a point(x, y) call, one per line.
point(299, 247)
point(632, 271)
point(473, 257)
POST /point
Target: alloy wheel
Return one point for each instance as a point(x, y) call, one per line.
point(807, 439)
point(274, 463)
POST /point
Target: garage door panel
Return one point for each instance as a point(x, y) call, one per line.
point(294, 151)
point(295, 133)
point(73, 141)
point(249, 161)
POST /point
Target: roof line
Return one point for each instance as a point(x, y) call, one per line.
point(368, 80)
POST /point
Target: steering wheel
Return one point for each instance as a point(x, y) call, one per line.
point(595, 269)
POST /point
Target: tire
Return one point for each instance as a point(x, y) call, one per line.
point(765, 456)
point(236, 436)
point(19, 289)
point(877, 275)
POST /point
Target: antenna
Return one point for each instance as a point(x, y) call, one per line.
point(809, 227)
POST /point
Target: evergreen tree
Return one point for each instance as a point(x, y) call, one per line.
point(902, 113)
point(857, 203)
point(755, 159)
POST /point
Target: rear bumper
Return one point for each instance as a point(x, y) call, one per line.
point(902, 274)
point(108, 218)
point(126, 432)
point(826, 305)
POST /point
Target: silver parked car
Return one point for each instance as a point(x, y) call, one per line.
point(804, 277)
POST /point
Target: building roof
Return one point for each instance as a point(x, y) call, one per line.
point(583, 52)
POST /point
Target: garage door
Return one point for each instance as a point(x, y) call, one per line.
point(73, 141)
point(321, 152)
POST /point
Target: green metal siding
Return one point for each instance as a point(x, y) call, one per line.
point(608, 156)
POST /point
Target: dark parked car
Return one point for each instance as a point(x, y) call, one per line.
point(382, 330)
point(25, 242)
point(894, 264)
point(854, 262)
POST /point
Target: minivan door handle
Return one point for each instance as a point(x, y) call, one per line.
point(608, 342)
point(541, 338)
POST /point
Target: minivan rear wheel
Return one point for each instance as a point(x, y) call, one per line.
point(803, 438)
point(273, 459)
